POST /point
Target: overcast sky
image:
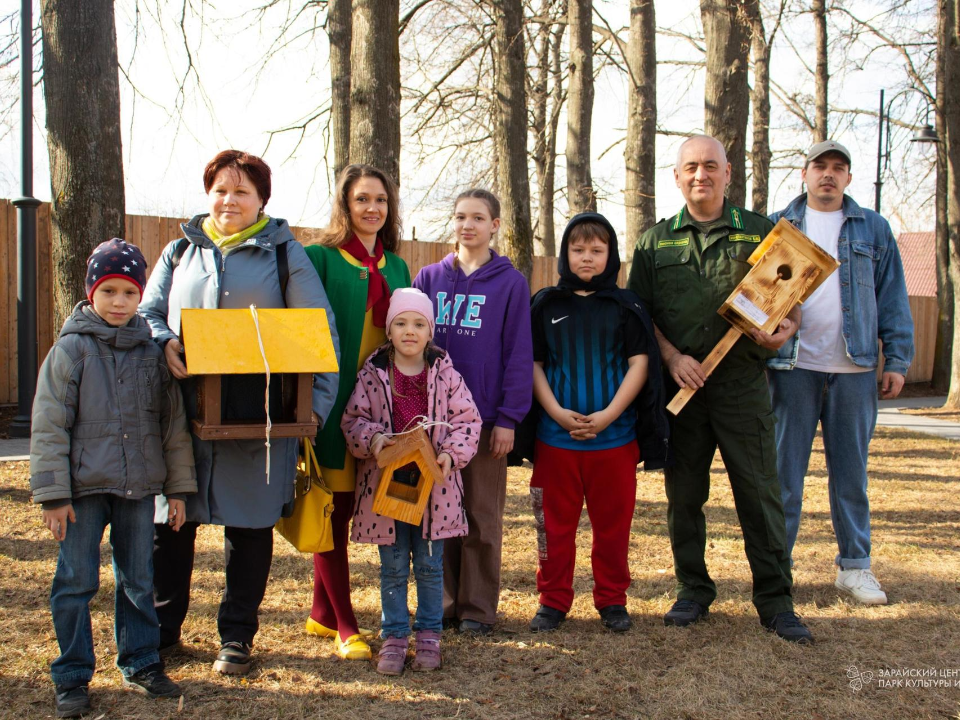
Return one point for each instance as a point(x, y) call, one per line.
point(166, 145)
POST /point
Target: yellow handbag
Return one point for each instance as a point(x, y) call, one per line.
point(308, 528)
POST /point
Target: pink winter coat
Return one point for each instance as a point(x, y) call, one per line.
point(370, 410)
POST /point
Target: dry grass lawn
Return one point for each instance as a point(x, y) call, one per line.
point(725, 668)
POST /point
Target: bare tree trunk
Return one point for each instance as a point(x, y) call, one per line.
point(339, 32)
point(581, 196)
point(510, 136)
point(546, 101)
point(82, 96)
point(727, 95)
point(558, 97)
point(943, 353)
point(640, 152)
point(823, 70)
point(760, 99)
point(538, 125)
point(375, 85)
point(952, 120)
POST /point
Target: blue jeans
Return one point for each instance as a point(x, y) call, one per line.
point(845, 405)
point(77, 580)
point(394, 573)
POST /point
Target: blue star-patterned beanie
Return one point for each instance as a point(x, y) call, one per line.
point(116, 259)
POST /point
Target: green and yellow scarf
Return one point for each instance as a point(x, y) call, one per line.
point(227, 243)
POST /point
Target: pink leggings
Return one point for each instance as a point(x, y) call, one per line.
point(331, 574)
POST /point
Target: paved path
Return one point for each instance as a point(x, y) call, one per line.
point(888, 416)
point(14, 449)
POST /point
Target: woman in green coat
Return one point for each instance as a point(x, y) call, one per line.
point(355, 258)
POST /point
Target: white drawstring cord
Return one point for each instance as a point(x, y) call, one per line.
point(266, 394)
point(425, 424)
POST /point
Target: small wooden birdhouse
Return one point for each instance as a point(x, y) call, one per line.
point(296, 343)
point(787, 267)
point(409, 470)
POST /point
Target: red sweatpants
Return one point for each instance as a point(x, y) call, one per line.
point(562, 479)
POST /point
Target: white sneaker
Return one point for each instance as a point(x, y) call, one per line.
point(862, 584)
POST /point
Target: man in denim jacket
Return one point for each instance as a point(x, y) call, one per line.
point(827, 372)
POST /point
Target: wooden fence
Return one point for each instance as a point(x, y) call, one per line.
point(151, 235)
point(924, 311)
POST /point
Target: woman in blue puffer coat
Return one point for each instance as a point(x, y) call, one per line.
point(231, 257)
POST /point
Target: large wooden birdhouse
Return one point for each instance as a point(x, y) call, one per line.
point(787, 267)
point(408, 471)
point(295, 343)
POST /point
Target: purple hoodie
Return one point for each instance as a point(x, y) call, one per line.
point(483, 322)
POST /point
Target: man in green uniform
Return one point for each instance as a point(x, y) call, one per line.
point(684, 268)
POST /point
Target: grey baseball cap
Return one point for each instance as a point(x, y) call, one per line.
point(822, 148)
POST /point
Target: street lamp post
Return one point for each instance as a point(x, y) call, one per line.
point(26, 239)
point(926, 134)
point(878, 183)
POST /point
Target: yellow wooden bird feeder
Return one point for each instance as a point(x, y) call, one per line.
point(296, 344)
point(404, 491)
point(787, 267)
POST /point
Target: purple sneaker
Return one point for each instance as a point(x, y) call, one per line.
point(428, 651)
point(393, 653)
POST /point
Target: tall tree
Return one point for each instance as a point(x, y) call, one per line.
point(760, 100)
point(510, 135)
point(375, 85)
point(640, 152)
point(339, 32)
point(727, 95)
point(82, 97)
point(581, 196)
point(547, 96)
point(951, 113)
point(943, 352)
point(822, 72)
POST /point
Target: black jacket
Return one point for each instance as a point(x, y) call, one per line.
point(653, 428)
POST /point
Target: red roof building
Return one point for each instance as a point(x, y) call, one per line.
point(919, 254)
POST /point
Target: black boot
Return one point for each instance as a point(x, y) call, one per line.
point(547, 619)
point(153, 682)
point(72, 701)
point(234, 658)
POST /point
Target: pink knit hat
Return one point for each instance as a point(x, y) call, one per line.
point(410, 300)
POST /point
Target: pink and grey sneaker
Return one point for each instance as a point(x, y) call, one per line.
point(392, 655)
point(427, 656)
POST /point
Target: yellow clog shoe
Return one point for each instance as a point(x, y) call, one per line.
point(312, 627)
point(353, 648)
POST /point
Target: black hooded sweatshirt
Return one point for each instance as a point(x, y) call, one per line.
point(652, 426)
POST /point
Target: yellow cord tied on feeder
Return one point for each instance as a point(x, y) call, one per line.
point(266, 393)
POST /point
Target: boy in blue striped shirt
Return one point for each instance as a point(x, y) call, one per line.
point(591, 347)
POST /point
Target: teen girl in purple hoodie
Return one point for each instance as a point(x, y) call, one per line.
point(483, 322)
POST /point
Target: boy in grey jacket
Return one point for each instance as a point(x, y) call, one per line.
point(109, 433)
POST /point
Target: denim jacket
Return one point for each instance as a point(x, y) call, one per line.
point(872, 289)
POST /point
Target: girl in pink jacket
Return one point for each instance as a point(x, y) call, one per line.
point(404, 383)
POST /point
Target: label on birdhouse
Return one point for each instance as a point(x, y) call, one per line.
point(742, 303)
